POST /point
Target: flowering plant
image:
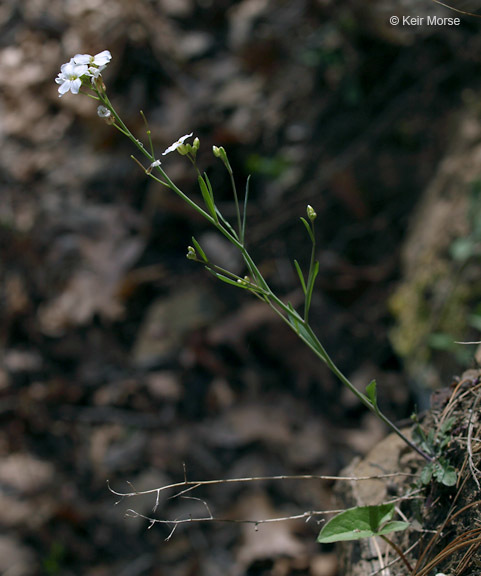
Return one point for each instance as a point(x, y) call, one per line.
point(82, 66)
point(84, 71)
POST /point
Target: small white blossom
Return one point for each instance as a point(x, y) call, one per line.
point(95, 72)
point(95, 63)
point(154, 164)
point(100, 59)
point(103, 112)
point(70, 77)
point(177, 144)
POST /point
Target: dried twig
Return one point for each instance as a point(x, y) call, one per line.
point(475, 472)
point(189, 485)
point(457, 9)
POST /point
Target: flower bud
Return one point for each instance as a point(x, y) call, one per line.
point(196, 144)
point(219, 152)
point(311, 213)
point(154, 164)
point(184, 149)
point(191, 253)
point(106, 114)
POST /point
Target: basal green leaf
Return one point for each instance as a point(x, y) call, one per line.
point(447, 425)
point(360, 522)
point(394, 526)
point(445, 473)
point(426, 474)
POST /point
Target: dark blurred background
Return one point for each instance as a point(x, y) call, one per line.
point(122, 360)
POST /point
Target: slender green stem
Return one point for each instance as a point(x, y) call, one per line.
point(236, 201)
point(259, 286)
point(314, 344)
point(311, 277)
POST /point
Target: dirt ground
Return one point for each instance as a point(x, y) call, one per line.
point(121, 360)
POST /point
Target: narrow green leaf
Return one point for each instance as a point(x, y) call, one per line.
point(360, 522)
point(371, 393)
point(228, 280)
point(209, 185)
point(244, 214)
point(308, 228)
point(310, 287)
point(312, 277)
point(297, 322)
point(208, 197)
point(301, 276)
point(300, 329)
point(199, 250)
point(293, 318)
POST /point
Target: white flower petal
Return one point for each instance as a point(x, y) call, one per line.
point(102, 58)
point(70, 77)
point(75, 85)
point(175, 145)
point(94, 72)
point(82, 58)
point(64, 88)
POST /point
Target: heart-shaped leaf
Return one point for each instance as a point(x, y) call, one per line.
point(361, 522)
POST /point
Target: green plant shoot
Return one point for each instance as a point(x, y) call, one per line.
point(361, 522)
point(83, 74)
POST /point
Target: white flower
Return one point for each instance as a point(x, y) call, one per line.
point(103, 112)
point(154, 164)
point(100, 59)
point(177, 144)
point(95, 72)
point(95, 63)
point(70, 77)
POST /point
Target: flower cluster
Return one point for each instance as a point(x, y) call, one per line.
point(81, 66)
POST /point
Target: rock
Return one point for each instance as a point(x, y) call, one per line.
point(389, 456)
point(16, 559)
point(441, 280)
point(24, 474)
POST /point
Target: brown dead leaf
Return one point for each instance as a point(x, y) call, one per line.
point(25, 474)
point(265, 541)
point(169, 319)
point(250, 423)
point(107, 251)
